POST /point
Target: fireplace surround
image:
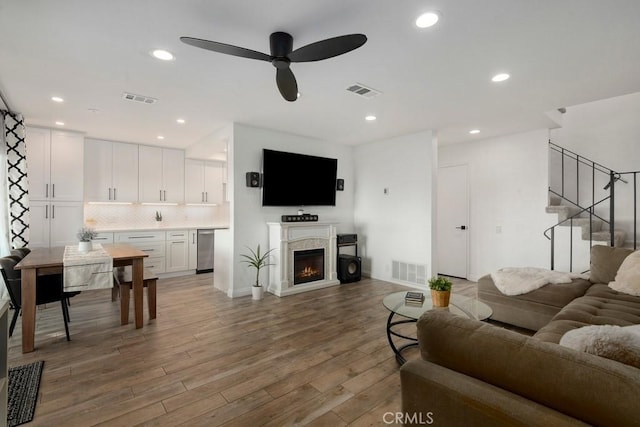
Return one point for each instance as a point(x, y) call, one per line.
point(289, 240)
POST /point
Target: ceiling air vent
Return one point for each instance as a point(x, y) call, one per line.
point(139, 98)
point(362, 90)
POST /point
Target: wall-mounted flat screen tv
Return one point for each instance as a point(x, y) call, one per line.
point(291, 179)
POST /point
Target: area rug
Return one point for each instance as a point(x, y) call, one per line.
point(24, 382)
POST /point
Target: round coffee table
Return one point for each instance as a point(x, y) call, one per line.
point(459, 305)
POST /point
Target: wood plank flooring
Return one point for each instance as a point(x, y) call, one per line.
point(319, 358)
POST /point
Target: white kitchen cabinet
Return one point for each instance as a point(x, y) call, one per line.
point(203, 182)
point(177, 251)
point(111, 171)
point(161, 172)
point(55, 164)
point(150, 242)
point(193, 249)
point(103, 238)
point(54, 223)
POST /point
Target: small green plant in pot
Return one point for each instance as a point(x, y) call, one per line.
point(257, 260)
point(440, 291)
point(85, 236)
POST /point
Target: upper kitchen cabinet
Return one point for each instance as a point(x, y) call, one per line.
point(55, 164)
point(111, 171)
point(161, 175)
point(203, 182)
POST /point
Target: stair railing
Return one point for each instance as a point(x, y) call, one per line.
point(549, 233)
point(567, 157)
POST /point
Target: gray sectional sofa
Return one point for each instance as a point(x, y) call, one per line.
point(472, 373)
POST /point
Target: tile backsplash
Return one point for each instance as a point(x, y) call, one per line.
point(107, 216)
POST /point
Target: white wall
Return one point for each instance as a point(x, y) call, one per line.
point(249, 218)
point(396, 226)
point(508, 178)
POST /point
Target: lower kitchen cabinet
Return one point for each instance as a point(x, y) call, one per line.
point(193, 249)
point(150, 242)
point(177, 251)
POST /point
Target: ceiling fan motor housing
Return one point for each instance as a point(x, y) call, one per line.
point(281, 44)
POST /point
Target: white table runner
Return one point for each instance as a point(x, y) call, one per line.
point(87, 270)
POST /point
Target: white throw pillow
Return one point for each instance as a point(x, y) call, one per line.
point(613, 342)
point(628, 276)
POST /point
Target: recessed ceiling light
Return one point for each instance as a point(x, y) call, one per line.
point(160, 137)
point(60, 123)
point(181, 121)
point(162, 54)
point(370, 118)
point(427, 20)
point(474, 131)
point(500, 77)
point(57, 99)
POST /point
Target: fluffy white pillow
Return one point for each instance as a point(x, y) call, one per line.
point(628, 276)
point(613, 342)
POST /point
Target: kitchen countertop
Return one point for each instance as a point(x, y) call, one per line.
point(159, 228)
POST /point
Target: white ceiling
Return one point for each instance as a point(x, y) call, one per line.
point(558, 52)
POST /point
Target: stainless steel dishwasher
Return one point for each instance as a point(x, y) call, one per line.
point(205, 251)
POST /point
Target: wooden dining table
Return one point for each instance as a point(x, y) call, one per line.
point(43, 261)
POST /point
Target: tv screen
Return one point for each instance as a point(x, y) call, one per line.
point(291, 179)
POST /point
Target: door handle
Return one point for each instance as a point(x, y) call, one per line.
point(462, 227)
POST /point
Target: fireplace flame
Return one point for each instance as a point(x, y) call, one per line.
point(308, 272)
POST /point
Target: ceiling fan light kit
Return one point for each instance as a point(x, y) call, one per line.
point(282, 54)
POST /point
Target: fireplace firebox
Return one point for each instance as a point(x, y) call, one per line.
point(308, 266)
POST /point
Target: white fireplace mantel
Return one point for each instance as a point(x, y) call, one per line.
point(284, 239)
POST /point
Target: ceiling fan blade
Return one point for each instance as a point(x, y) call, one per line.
point(328, 48)
point(287, 84)
point(226, 48)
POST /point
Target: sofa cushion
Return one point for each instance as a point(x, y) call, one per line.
point(532, 310)
point(613, 342)
point(628, 276)
point(601, 305)
point(566, 380)
point(605, 262)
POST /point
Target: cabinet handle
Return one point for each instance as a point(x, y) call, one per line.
point(202, 197)
point(53, 191)
point(46, 212)
point(140, 237)
point(147, 250)
point(160, 195)
point(165, 195)
point(193, 238)
point(53, 211)
point(206, 196)
point(46, 191)
point(114, 194)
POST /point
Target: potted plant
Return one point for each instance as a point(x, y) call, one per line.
point(256, 260)
point(440, 291)
point(85, 236)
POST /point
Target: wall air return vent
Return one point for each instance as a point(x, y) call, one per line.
point(364, 91)
point(408, 272)
point(139, 98)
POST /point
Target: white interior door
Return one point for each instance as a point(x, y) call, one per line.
point(453, 221)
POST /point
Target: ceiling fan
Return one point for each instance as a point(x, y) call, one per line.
point(282, 54)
